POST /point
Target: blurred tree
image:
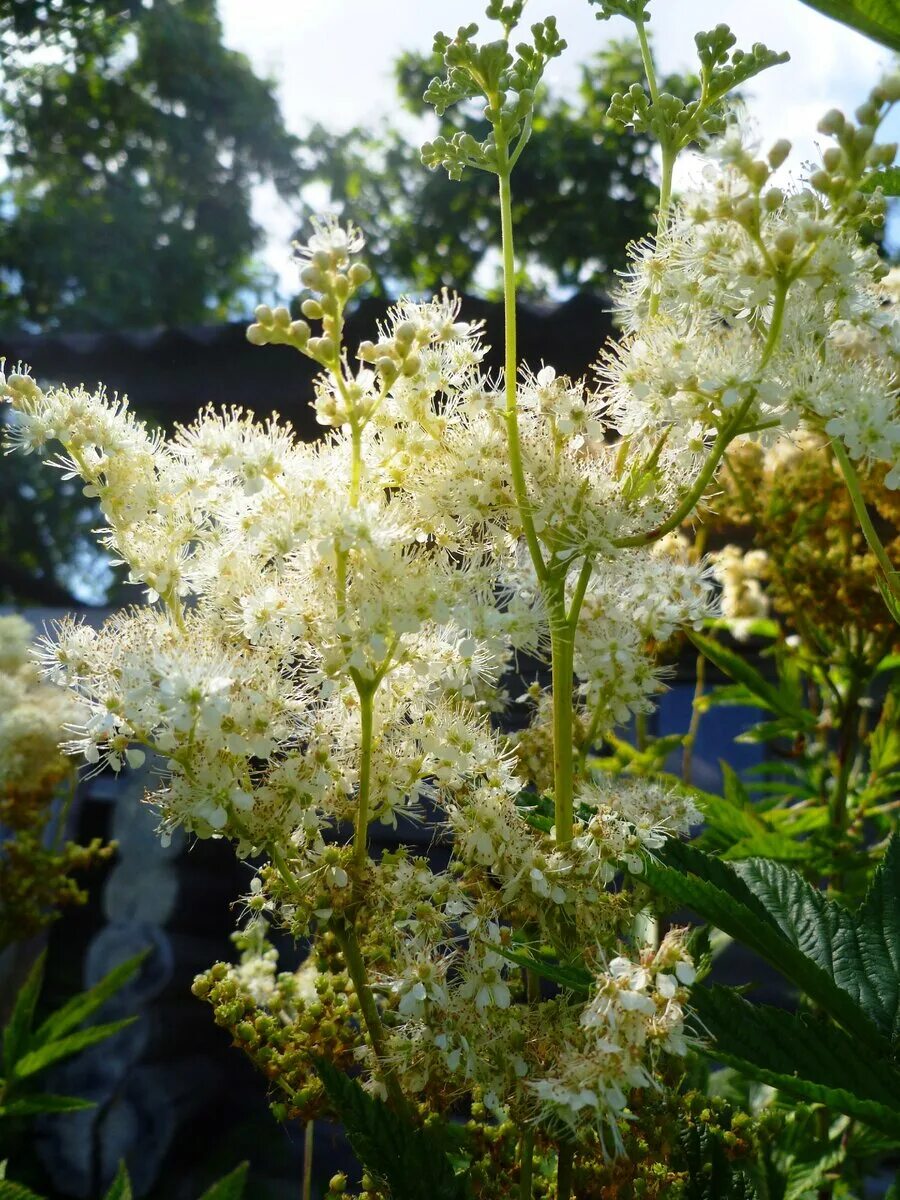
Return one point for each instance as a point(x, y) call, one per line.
point(582, 191)
point(132, 141)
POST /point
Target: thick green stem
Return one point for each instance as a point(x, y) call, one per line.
point(356, 969)
point(565, 1171)
point(862, 515)
point(526, 1163)
point(366, 721)
point(562, 648)
point(516, 468)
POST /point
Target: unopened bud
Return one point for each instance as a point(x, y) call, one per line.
point(281, 316)
point(312, 309)
point(833, 122)
point(359, 274)
point(263, 314)
point(779, 153)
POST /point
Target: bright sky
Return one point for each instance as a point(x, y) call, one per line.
point(332, 61)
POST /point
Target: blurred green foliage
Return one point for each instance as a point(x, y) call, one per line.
point(132, 141)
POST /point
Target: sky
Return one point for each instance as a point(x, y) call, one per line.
point(332, 63)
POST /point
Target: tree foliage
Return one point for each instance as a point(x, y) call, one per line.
point(133, 139)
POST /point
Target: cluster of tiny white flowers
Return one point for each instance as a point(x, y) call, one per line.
point(331, 627)
point(743, 600)
point(34, 716)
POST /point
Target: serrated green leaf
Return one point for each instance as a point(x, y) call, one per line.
point(16, 1191)
point(18, 1028)
point(51, 1052)
point(806, 1177)
point(718, 892)
point(85, 1004)
point(888, 180)
point(861, 952)
point(876, 19)
point(121, 1185)
point(737, 668)
point(45, 1102)
point(411, 1161)
point(809, 1060)
point(710, 1176)
point(231, 1187)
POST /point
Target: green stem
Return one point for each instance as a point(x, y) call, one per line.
point(862, 515)
point(647, 57)
point(308, 1135)
point(517, 470)
point(526, 1163)
point(565, 1170)
point(355, 463)
point(356, 969)
point(687, 760)
point(366, 721)
point(562, 649)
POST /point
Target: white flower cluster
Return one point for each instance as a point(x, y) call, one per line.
point(743, 600)
point(763, 310)
point(34, 716)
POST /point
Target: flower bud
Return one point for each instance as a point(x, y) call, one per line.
point(359, 274)
point(779, 153)
point(833, 122)
point(263, 314)
point(312, 309)
point(281, 316)
point(312, 277)
point(832, 158)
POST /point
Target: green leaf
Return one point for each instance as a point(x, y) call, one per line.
point(889, 590)
point(805, 1177)
point(888, 180)
point(719, 893)
point(121, 1185)
point(85, 1004)
point(576, 979)
point(16, 1191)
point(737, 668)
point(861, 952)
point(876, 19)
point(411, 1161)
point(893, 1192)
point(809, 1060)
point(231, 1187)
point(51, 1052)
point(710, 1175)
point(18, 1028)
point(45, 1102)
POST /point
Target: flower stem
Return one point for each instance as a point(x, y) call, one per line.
point(565, 1170)
point(562, 650)
point(862, 515)
point(366, 721)
point(308, 1136)
point(356, 968)
point(517, 470)
point(526, 1163)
